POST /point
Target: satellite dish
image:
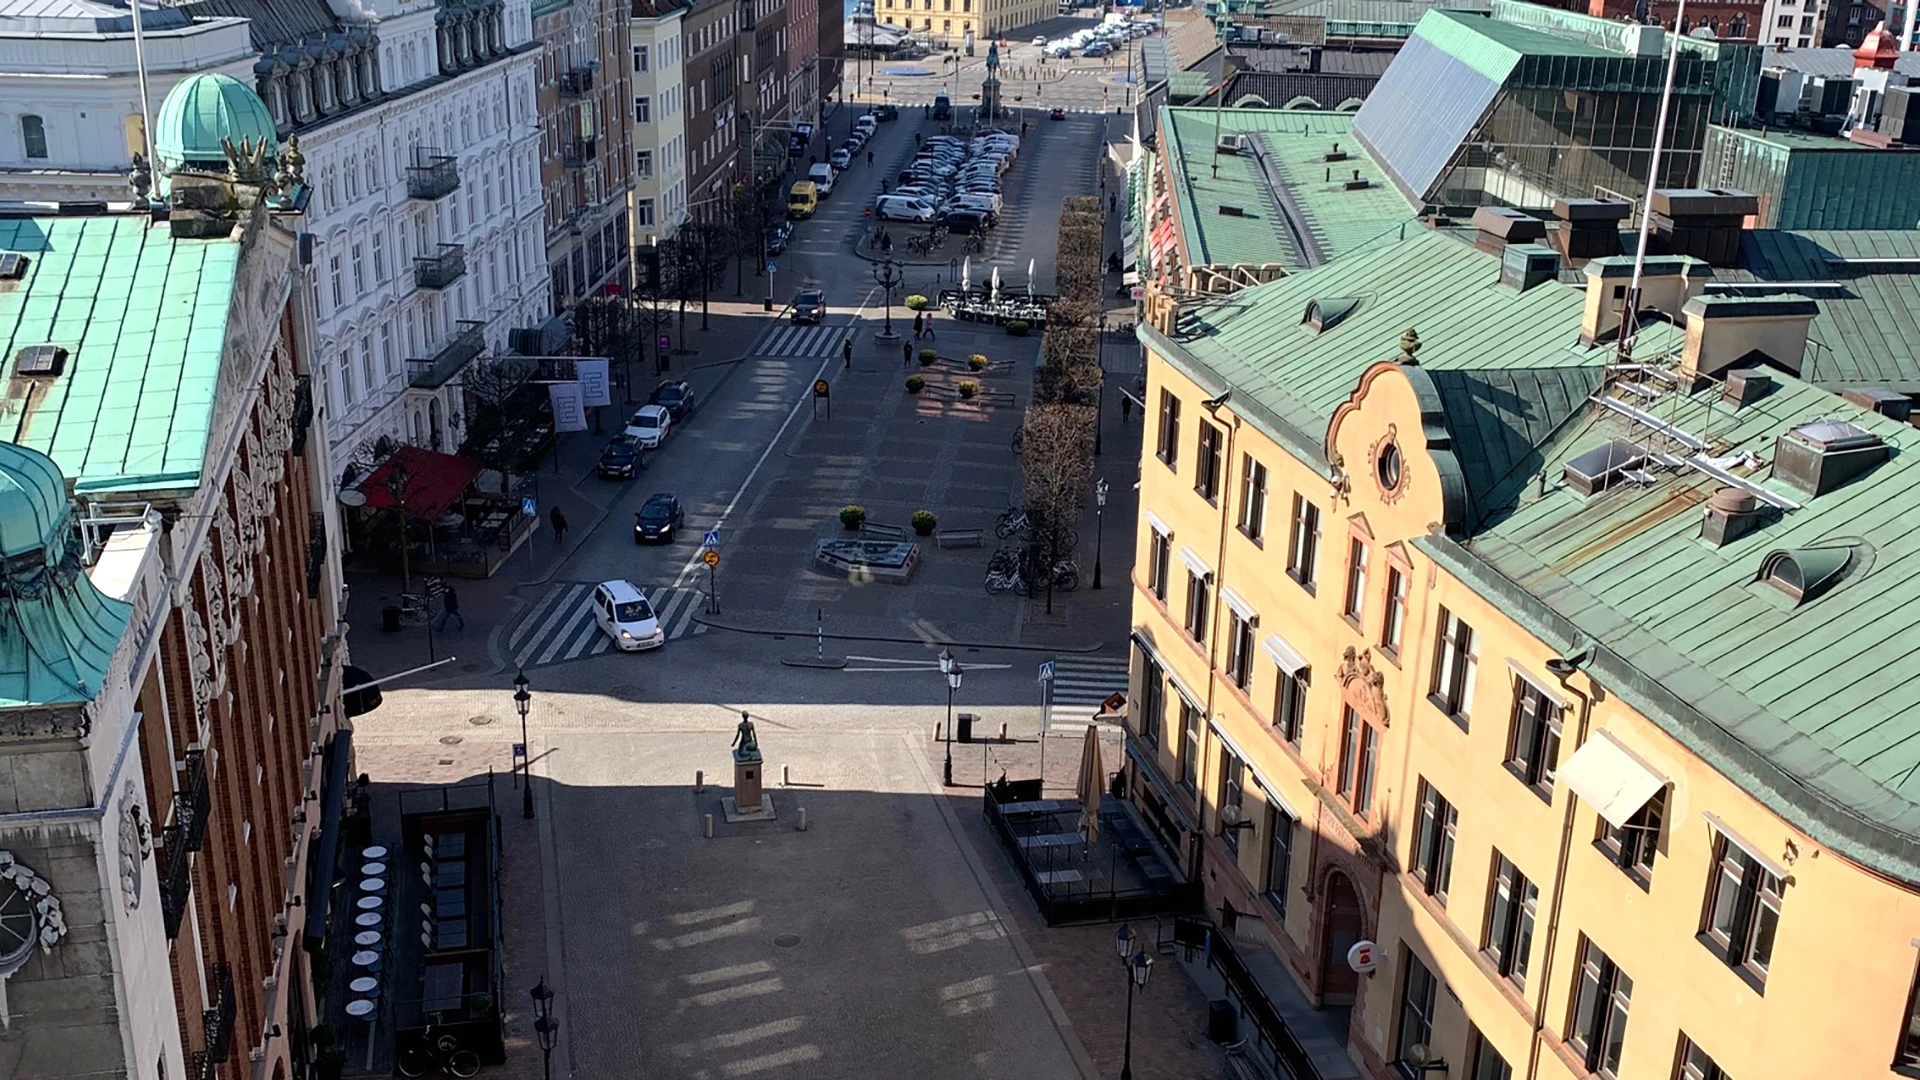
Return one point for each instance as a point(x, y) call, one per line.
point(351, 497)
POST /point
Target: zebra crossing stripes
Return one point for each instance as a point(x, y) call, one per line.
point(561, 627)
point(1080, 684)
point(793, 340)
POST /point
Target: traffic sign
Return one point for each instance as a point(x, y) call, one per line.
point(712, 539)
point(519, 750)
point(820, 388)
point(772, 267)
point(710, 557)
point(529, 507)
point(1046, 671)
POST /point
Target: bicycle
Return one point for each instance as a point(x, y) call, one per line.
point(444, 1052)
point(1013, 522)
point(976, 244)
point(1019, 440)
point(1005, 581)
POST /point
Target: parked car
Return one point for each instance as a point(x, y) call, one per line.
point(802, 199)
point(649, 425)
point(675, 396)
point(902, 208)
point(967, 221)
point(659, 518)
point(866, 125)
point(620, 459)
point(886, 112)
point(810, 306)
point(822, 176)
point(840, 158)
point(622, 612)
point(778, 237)
point(978, 200)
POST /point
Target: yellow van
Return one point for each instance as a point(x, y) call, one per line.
point(802, 198)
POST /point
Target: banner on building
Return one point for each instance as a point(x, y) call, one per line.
point(569, 414)
point(594, 387)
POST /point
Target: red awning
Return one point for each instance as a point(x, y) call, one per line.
point(434, 482)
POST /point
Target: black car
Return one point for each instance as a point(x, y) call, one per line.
point(620, 460)
point(658, 519)
point(887, 112)
point(674, 396)
point(778, 236)
point(967, 221)
point(810, 306)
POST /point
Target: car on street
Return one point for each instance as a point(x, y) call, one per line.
point(977, 200)
point(649, 425)
point(840, 158)
point(1058, 113)
point(620, 459)
point(902, 208)
point(866, 125)
point(886, 112)
point(810, 306)
point(1097, 50)
point(658, 519)
point(822, 176)
point(1039, 41)
point(778, 237)
point(621, 611)
point(967, 221)
point(675, 396)
point(802, 199)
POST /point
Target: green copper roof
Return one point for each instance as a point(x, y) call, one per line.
point(60, 631)
point(202, 109)
point(1299, 220)
point(143, 317)
point(1866, 332)
point(1810, 181)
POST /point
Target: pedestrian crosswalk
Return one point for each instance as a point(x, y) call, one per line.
point(789, 339)
point(1080, 684)
point(560, 625)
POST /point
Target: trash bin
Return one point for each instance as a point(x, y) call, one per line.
point(1223, 1024)
point(389, 620)
point(964, 726)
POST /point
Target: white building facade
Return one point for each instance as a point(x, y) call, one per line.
point(658, 122)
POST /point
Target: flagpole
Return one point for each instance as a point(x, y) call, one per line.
point(140, 66)
point(1629, 326)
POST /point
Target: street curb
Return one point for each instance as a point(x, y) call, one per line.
point(833, 663)
point(775, 632)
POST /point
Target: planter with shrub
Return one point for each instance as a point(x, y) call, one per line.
point(917, 302)
point(1018, 327)
point(968, 388)
point(928, 357)
point(853, 516)
point(923, 522)
point(976, 362)
point(915, 384)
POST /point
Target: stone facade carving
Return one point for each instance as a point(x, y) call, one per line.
point(30, 914)
point(136, 846)
point(1362, 688)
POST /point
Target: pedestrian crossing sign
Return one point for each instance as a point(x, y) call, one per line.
point(1046, 671)
point(528, 506)
point(712, 539)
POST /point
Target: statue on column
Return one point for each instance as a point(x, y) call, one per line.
point(745, 743)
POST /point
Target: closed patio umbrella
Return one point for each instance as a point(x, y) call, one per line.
point(1092, 780)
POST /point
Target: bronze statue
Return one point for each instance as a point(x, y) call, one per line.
point(746, 744)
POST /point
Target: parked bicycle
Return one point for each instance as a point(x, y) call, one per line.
point(443, 1052)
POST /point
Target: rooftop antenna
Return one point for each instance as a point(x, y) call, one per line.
point(140, 65)
point(1629, 325)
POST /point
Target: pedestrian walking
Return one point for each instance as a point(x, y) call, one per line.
point(846, 352)
point(869, 157)
point(559, 522)
point(929, 324)
point(450, 608)
point(1113, 203)
point(919, 325)
point(906, 354)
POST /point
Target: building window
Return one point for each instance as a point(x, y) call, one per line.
point(1598, 1025)
point(1695, 1064)
point(643, 164)
point(1416, 1009)
point(1153, 696)
point(1632, 846)
point(1253, 497)
point(1533, 742)
point(640, 58)
point(1303, 557)
point(33, 136)
point(379, 258)
point(1197, 606)
point(1233, 789)
point(1240, 648)
point(1908, 1054)
point(1453, 668)
point(1743, 910)
point(643, 213)
point(643, 110)
point(1512, 904)
point(1290, 702)
point(1487, 1062)
point(366, 364)
point(335, 280)
point(1280, 826)
point(1206, 473)
point(1159, 560)
point(1433, 842)
point(1189, 745)
point(359, 261)
point(1169, 448)
point(1356, 579)
point(1394, 624)
point(1359, 757)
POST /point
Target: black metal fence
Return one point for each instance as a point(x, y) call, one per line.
point(1065, 899)
point(1271, 1040)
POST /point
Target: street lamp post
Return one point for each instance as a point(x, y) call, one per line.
point(953, 671)
point(545, 1027)
point(521, 699)
point(887, 275)
point(1099, 526)
point(1138, 966)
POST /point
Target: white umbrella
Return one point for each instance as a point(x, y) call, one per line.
point(966, 274)
point(1093, 777)
point(1030, 279)
point(996, 283)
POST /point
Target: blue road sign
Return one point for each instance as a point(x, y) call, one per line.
point(712, 539)
point(1046, 671)
point(519, 750)
point(772, 267)
point(528, 506)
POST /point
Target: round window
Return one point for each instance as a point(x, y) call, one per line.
point(1387, 466)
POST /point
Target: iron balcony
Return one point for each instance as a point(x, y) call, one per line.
point(434, 372)
point(577, 83)
point(442, 270)
point(434, 176)
point(581, 152)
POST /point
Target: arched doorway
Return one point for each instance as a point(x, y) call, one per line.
point(1338, 982)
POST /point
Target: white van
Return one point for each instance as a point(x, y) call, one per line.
point(867, 125)
point(902, 208)
point(621, 611)
point(822, 177)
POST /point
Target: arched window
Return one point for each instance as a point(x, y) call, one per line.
point(33, 135)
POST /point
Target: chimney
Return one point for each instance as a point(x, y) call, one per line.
point(1879, 399)
point(1522, 266)
point(1593, 227)
point(1702, 222)
point(1725, 332)
point(1667, 283)
point(1502, 225)
point(1745, 386)
point(1731, 514)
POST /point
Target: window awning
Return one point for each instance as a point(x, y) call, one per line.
point(1195, 563)
point(1559, 700)
point(428, 483)
point(1267, 786)
point(1611, 778)
point(1285, 655)
point(1166, 669)
point(1770, 865)
point(1240, 606)
point(1159, 526)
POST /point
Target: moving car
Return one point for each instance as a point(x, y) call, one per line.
point(802, 199)
point(659, 518)
point(840, 158)
point(866, 125)
point(648, 426)
point(887, 112)
point(942, 107)
point(620, 459)
point(822, 177)
point(1039, 41)
point(810, 306)
point(1058, 113)
point(621, 611)
point(675, 396)
point(778, 237)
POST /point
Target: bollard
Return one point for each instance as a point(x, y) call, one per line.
point(784, 780)
point(699, 781)
point(1003, 731)
point(708, 818)
point(802, 826)
point(936, 733)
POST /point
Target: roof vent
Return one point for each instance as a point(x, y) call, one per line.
point(48, 360)
point(1598, 469)
point(1229, 144)
point(1879, 399)
point(13, 266)
point(1824, 455)
point(1522, 266)
point(1746, 386)
point(1357, 183)
point(1804, 573)
point(1336, 154)
point(1731, 514)
point(1227, 210)
point(1325, 313)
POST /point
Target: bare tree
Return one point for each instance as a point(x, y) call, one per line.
point(1057, 454)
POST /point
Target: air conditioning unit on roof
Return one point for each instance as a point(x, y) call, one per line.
point(1230, 144)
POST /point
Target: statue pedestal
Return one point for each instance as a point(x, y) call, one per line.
point(748, 802)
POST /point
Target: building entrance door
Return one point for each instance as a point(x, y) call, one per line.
point(1338, 982)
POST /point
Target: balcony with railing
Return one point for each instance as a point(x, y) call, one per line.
point(191, 800)
point(176, 878)
point(433, 175)
point(582, 152)
point(216, 1024)
point(434, 372)
point(577, 82)
point(442, 270)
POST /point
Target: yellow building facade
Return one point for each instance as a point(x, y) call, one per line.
point(1354, 720)
point(949, 22)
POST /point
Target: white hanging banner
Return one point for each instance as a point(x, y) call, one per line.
point(594, 387)
point(568, 413)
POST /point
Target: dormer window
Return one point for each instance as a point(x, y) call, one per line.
point(1804, 574)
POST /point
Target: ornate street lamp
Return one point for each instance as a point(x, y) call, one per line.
point(545, 1027)
point(1138, 966)
point(521, 699)
point(953, 672)
point(1099, 526)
